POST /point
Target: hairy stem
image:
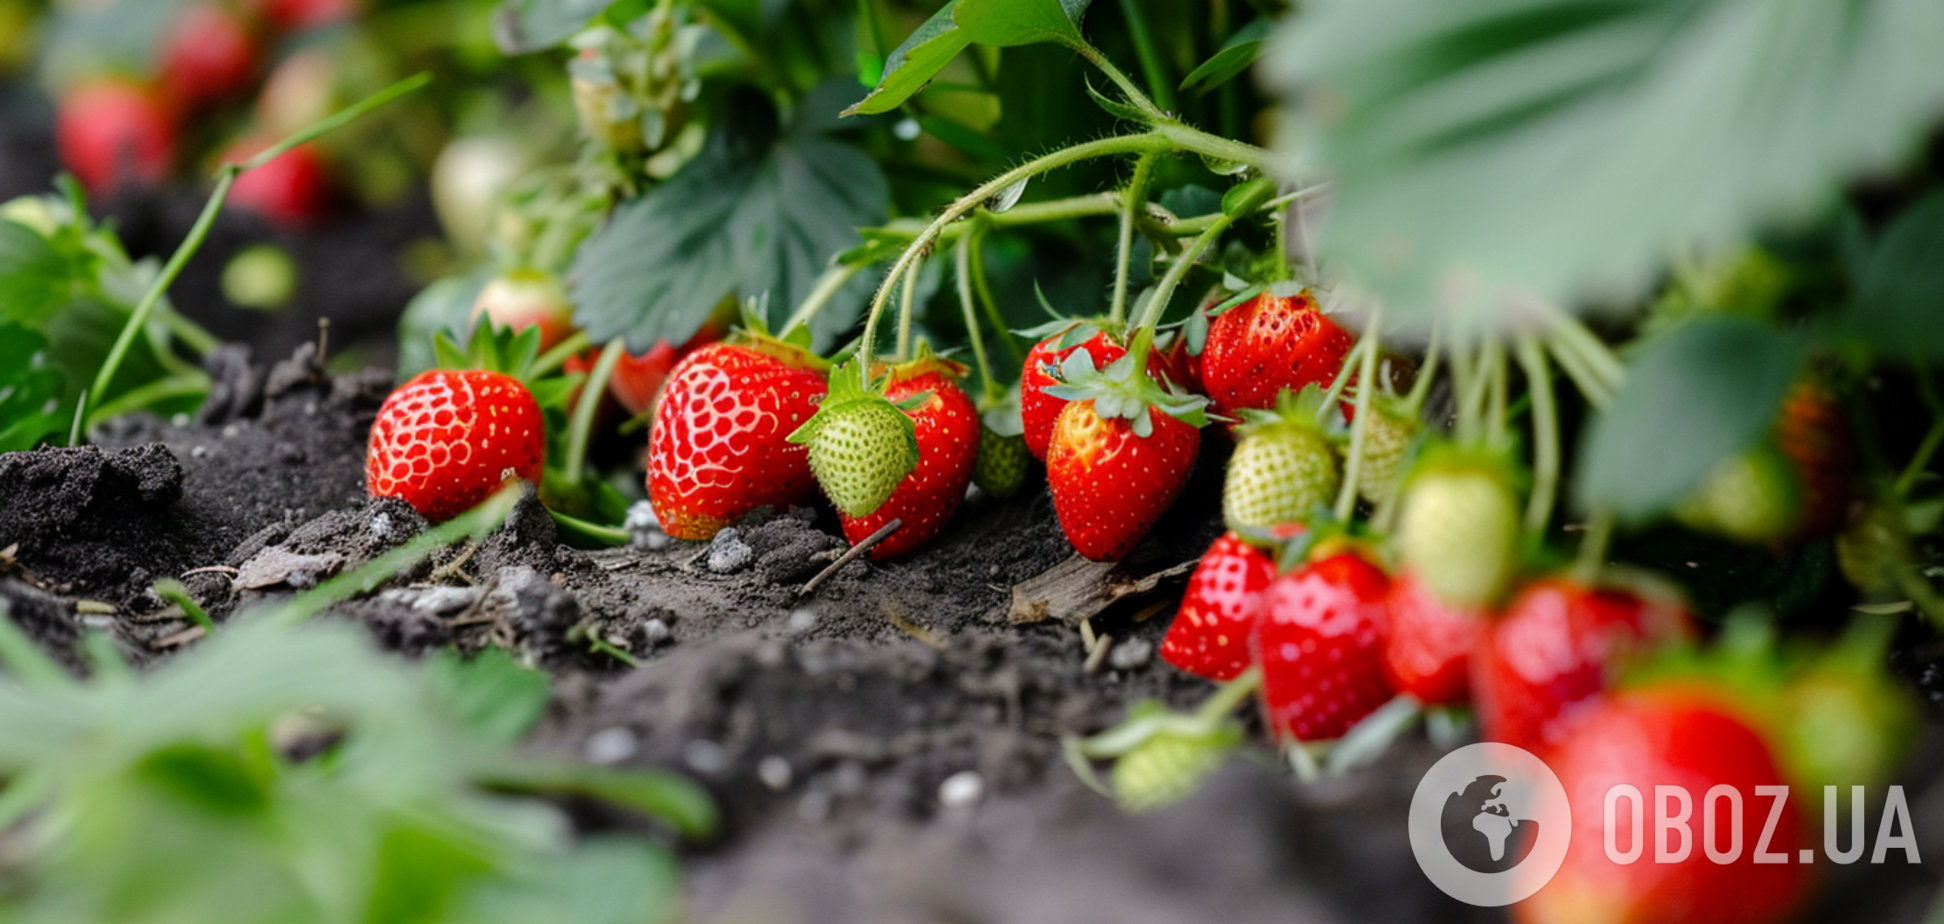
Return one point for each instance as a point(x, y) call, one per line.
point(1131, 199)
point(1359, 431)
point(1134, 94)
point(983, 288)
point(905, 301)
point(1545, 435)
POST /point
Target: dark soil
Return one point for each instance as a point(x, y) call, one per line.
point(886, 749)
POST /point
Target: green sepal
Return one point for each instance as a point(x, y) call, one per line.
point(1120, 390)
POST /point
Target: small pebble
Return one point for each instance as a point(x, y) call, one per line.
point(728, 553)
point(230, 431)
point(704, 756)
point(654, 632)
point(774, 772)
point(1130, 654)
point(610, 746)
point(961, 789)
point(802, 620)
point(179, 420)
point(645, 529)
point(199, 451)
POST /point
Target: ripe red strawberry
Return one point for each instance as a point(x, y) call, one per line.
point(208, 56)
point(293, 190)
point(446, 440)
point(1559, 645)
point(300, 15)
point(1120, 452)
point(1268, 345)
point(1429, 651)
point(1320, 638)
point(1038, 410)
point(1212, 631)
point(720, 443)
point(947, 428)
point(1815, 435)
point(1671, 734)
point(112, 132)
point(530, 298)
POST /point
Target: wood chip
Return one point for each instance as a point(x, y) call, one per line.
point(94, 608)
point(1078, 589)
point(180, 638)
point(1098, 654)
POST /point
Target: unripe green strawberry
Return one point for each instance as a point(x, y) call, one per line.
point(1284, 466)
point(861, 445)
point(1752, 497)
point(1864, 552)
point(1387, 446)
point(1168, 767)
point(1002, 464)
point(1459, 528)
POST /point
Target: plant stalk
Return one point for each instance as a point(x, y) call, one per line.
point(1131, 199)
point(580, 429)
point(1545, 435)
point(1346, 503)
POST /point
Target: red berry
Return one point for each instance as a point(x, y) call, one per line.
point(948, 446)
point(208, 56)
point(446, 440)
point(292, 191)
point(112, 132)
point(1815, 436)
point(299, 15)
point(720, 444)
point(532, 298)
point(1038, 410)
point(1110, 484)
point(1268, 345)
point(1212, 631)
point(1321, 641)
point(1557, 647)
point(1670, 735)
point(638, 379)
point(1430, 647)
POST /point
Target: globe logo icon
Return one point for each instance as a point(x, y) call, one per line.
point(1489, 824)
point(1480, 829)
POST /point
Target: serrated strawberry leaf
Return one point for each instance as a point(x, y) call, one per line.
point(30, 389)
point(749, 215)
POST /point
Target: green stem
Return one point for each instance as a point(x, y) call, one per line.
point(560, 354)
point(150, 394)
point(963, 268)
point(1134, 94)
point(1216, 146)
point(983, 288)
point(1153, 69)
point(173, 591)
point(1131, 199)
point(1598, 357)
point(1163, 291)
point(1545, 435)
point(226, 178)
point(1105, 147)
point(1230, 695)
point(1366, 388)
point(189, 332)
point(476, 523)
point(1498, 391)
point(581, 428)
point(594, 533)
point(1428, 373)
point(827, 287)
point(1467, 383)
point(1927, 449)
point(1585, 379)
point(1593, 547)
point(1343, 377)
point(905, 303)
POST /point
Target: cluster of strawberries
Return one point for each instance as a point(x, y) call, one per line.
point(118, 127)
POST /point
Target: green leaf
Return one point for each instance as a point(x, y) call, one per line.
point(1238, 54)
point(491, 695)
point(30, 389)
point(915, 62)
point(747, 219)
point(212, 779)
point(36, 279)
point(1706, 390)
point(1113, 107)
point(672, 798)
point(1487, 152)
point(1900, 297)
point(526, 26)
point(1021, 22)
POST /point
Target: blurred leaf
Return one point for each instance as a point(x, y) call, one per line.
point(1238, 54)
point(36, 278)
point(1704, 391)
point(490, 694)
point(209, 778)
point(609, 880)
point(30, 389)
point(1562, 147)
point(1900, 297)
point(746, 218)
point(444, 307)
point(657, 793)
point(1020, 22)
point(526, 26)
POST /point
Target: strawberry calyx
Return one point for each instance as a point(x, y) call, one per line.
point(1303, 410)
point(1124, 390)
point(1162, 755)
point(494, 348)
point(792, 347)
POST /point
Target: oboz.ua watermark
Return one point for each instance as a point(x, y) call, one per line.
point(1490, 825)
